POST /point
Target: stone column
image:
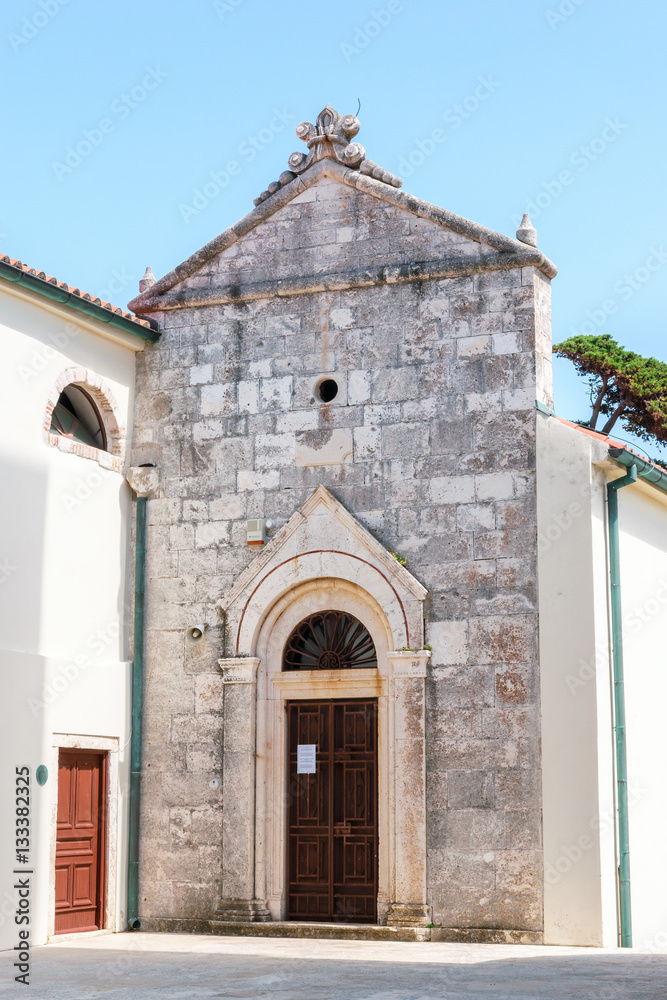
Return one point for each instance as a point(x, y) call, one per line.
point(237, 903)
point(408, 672)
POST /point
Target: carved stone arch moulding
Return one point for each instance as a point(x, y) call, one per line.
point(322, 539)
point(101, 394)
point(322, 559)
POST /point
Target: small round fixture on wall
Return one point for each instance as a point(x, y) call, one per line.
point(42, 774)
point(327, 390)
point(214, 784)
point(195, 633)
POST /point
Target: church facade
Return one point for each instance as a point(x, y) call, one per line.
point(360, 368)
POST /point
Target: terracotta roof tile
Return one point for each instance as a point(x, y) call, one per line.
point(20, 266)
point(609, 441)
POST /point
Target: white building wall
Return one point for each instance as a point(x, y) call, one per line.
point(64, 581)
point(643, 555)
point(576, 678)
point(574, 688)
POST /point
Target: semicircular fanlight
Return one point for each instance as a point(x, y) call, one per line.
point(329, 640)
point(76, 416)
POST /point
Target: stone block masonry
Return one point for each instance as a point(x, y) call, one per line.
point(429, 442)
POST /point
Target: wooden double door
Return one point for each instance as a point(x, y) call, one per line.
point(80, 841)
point(332, 813)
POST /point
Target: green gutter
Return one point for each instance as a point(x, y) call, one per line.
point(137, 715)
point(60, 295)
point(645, 470)
point(619, 704)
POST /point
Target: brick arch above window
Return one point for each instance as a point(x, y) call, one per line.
point(102, 396)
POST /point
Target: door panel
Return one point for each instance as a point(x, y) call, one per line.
point(80, 841)
point(332, 815)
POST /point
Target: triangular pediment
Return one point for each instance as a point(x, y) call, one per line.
point(333, 226)
point(322, 524)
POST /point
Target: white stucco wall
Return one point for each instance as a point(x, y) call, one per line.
point(577, 735)
point(64, 576)
point(643, 555)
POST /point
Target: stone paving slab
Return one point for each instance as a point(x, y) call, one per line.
point(193, 967)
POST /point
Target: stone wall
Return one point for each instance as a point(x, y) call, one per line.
point(430, 443)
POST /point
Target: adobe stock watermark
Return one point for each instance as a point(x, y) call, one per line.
point(84, 487)
point(559, 524)
point(120, 109)
point(70, 672)
point(633, 621)
point(7, 570)
point(454, 117)
point(624, 288)
point(36, 22)
point(566, 8)
point(225, 7)
point(246, 152)
point(581, 159)
point(118, 281)
point(572, 854)
point(652, 606)
point(365, 33)
point(59, 340)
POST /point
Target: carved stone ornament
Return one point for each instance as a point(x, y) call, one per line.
point(329, 138)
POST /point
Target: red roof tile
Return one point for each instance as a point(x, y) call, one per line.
point(608, 441)
point(20, 266)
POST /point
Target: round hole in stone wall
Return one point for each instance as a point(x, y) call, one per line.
point(327, 390)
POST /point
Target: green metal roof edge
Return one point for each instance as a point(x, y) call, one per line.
point(56, 294)
point(646, 470)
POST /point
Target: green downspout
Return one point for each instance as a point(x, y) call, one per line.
point(137, 714)
point(619, 704)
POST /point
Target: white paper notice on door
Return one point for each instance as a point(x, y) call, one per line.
point(305, 758)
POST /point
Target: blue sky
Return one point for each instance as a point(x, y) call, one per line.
point(555, 106)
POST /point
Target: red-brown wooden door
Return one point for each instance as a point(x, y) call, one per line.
point(332, 814)
point(80, 840)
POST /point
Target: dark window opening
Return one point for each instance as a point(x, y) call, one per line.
point(327, 390)
point(330, 640)
point(75, 416)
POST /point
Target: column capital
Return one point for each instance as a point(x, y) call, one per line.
point(239, 669)
point(408, 662)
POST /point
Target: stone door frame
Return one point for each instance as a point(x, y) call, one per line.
point(257, 688)
point(111, 747)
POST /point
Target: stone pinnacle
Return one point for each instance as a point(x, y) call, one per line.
point(147, 280)
point(527, 232)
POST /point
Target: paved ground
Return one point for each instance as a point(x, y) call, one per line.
point(192, 967)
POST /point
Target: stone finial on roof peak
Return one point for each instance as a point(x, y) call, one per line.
point(330, 137)
point(147, 281)
point(527, 232)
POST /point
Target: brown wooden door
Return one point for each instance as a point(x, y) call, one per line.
point(80, 839)
point(332, 814)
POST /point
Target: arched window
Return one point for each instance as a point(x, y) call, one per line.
point(76, 416)
point(329, 640)
point(82, 418)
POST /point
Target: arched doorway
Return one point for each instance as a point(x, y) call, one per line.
point(332, 817)
point(322, 562)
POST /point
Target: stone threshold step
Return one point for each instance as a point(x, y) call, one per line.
point(340, 932)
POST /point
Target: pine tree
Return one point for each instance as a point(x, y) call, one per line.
point(623, 385)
